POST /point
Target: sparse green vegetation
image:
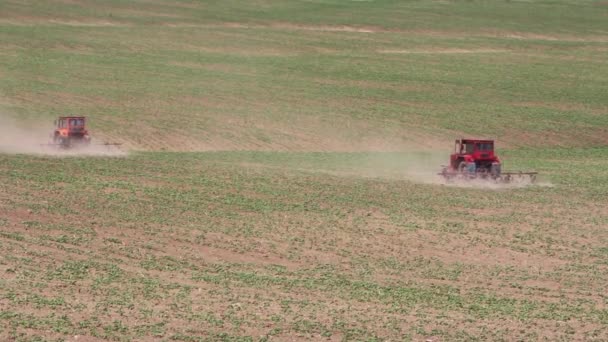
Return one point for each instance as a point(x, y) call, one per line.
point(233, 75)
point(300, 220)
point(215, 239)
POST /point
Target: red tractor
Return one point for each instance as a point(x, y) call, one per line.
point(71, 131)
point(475, 158)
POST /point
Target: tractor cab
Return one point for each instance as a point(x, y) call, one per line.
point(474, 155)
point(70, 130)
point(70, 123)
point(477, 149)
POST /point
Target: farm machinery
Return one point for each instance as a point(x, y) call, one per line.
point(476, 159)
point(71, 132)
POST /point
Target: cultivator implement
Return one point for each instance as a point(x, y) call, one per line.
point(66, 146)
point(502, 177)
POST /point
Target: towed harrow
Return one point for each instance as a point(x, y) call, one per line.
point(502, 177)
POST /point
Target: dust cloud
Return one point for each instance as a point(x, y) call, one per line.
point(19, 138)
point(412, 164)
point(425, 168)
point(415, 166)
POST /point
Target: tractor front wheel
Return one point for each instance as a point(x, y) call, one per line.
point(64, 142)
point(462, 167)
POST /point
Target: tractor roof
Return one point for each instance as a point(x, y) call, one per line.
point(477, 140)
point(72, 117)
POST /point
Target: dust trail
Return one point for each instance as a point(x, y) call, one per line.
point(16, 138)
point(427, 173)
point(414, 166)
point(425, 169)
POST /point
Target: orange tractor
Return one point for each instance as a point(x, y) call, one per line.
point(71, 132)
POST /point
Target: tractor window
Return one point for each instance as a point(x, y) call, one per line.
point(76, 122)
point(469, 148)
point(486, 147)
point(61, 123)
